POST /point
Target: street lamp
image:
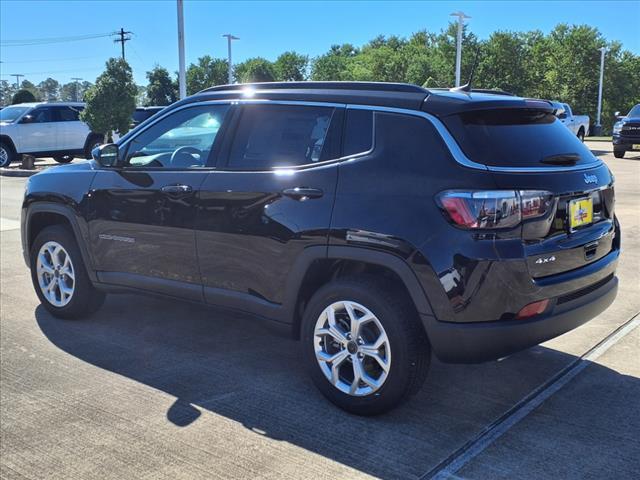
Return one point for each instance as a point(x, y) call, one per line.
point(461, 17)
point(598, 127)
point(230, 38)
point(182, 77)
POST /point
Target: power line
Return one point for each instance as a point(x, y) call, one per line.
point(51, 59)
point(17, 75)
point(50, 40)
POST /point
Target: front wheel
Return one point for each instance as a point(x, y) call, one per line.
point(618, 153)
point(63, 158)
point(581, 135)
point(7, 154)
point(59, 275)
point(363, 345)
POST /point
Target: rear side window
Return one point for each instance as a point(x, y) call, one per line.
point(280, 136)
point(358, 132)
point(67, 114)
point(519, 137)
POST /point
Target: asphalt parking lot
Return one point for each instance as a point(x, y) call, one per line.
point(151, 388)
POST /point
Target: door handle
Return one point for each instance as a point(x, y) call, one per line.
point(302, 193)
point(177, 189)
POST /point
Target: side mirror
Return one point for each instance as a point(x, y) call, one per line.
point(106, 155)
point(27, 119)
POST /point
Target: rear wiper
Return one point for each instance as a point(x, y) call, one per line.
point(562, 159)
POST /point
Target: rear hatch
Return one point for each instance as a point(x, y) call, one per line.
point(566, 194)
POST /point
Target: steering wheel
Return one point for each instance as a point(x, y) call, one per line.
point(183, 156)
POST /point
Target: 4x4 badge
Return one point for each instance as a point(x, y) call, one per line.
point(590, 178)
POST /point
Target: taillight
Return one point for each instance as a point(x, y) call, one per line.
point(488, 209)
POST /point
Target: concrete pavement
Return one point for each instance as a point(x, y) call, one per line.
point(151, 388)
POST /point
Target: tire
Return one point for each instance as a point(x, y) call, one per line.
point(92, 142)
point(581, 135)
point(618, 153)
point(406, 351)
point(84, 298)
point(63, 158)
point(7, 154)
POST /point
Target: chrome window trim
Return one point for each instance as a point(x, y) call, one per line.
point(455, 150)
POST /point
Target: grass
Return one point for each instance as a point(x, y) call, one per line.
point(598, 139)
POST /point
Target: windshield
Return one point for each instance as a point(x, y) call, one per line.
point(635, 111)
point(11, 114)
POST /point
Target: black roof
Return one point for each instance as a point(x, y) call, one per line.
point(396, 95)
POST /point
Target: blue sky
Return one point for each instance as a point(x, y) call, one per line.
point(265, 28)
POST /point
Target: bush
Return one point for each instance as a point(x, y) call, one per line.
point(23, 96)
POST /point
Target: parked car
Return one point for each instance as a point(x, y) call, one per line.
point(578, 124)
point(143, 113)
point(626, 132)
point(376, 223)
point(45, 130)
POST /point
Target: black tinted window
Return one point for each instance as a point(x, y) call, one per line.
point(358, 136)
point(41, 115)
point(515, 137)
point(280, 136)
point(67, 114)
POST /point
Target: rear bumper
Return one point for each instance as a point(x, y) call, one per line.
point(483, 341)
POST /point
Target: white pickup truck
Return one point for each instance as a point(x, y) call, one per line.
point(45, 130)
point(578, 124)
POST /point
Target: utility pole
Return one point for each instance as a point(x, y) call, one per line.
point(598, 127)
point(230, 38)
point(76, 79)
point(182, 77)
point(461, 17)
point(17, 75)
point(124, 37)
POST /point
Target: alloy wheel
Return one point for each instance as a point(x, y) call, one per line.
point(56, 274)
point(4, 156)
point(352, 348)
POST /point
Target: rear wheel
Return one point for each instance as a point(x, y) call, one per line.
point(7, 154)
point(63, 158)
point(59, 275)
point(618, 153)
point(581, 135)
point(363, 345)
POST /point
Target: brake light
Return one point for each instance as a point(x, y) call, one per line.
point(533, 309)
point(489, 209)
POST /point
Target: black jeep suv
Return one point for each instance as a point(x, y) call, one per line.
point(626, 132)
point(378, 223)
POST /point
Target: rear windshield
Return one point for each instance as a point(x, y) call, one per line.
point(140, 116)
point(522, 137)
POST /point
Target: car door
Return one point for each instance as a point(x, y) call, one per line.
point(72, 133)
point(38, 132)
point(142, 212)
point(270, 198)
point(570, 121)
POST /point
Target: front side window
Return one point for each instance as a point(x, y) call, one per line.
point(271, 136)
point(184, 139)
point(41, 115)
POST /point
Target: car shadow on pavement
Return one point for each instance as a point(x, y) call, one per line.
point(230, 365)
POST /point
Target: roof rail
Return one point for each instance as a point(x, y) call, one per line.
point(371, 86)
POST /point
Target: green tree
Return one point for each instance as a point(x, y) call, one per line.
point(207, 72)
point(335, 64)
point(161, 90)
point(291, 66)
point(49, 90)
point(27, 85)
point(112, 100)
point(23, 96)
point(7, 90)
point(255, 69)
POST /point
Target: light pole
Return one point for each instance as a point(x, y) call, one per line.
point(598, 128)
point(230, 38)
point(76, 80)
point(182, 76)
point(461, 17)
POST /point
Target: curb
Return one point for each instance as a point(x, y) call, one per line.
point(17, 172)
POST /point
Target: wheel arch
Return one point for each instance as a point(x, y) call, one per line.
point(319, 265)
point(9, 141)
point(42, 215)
